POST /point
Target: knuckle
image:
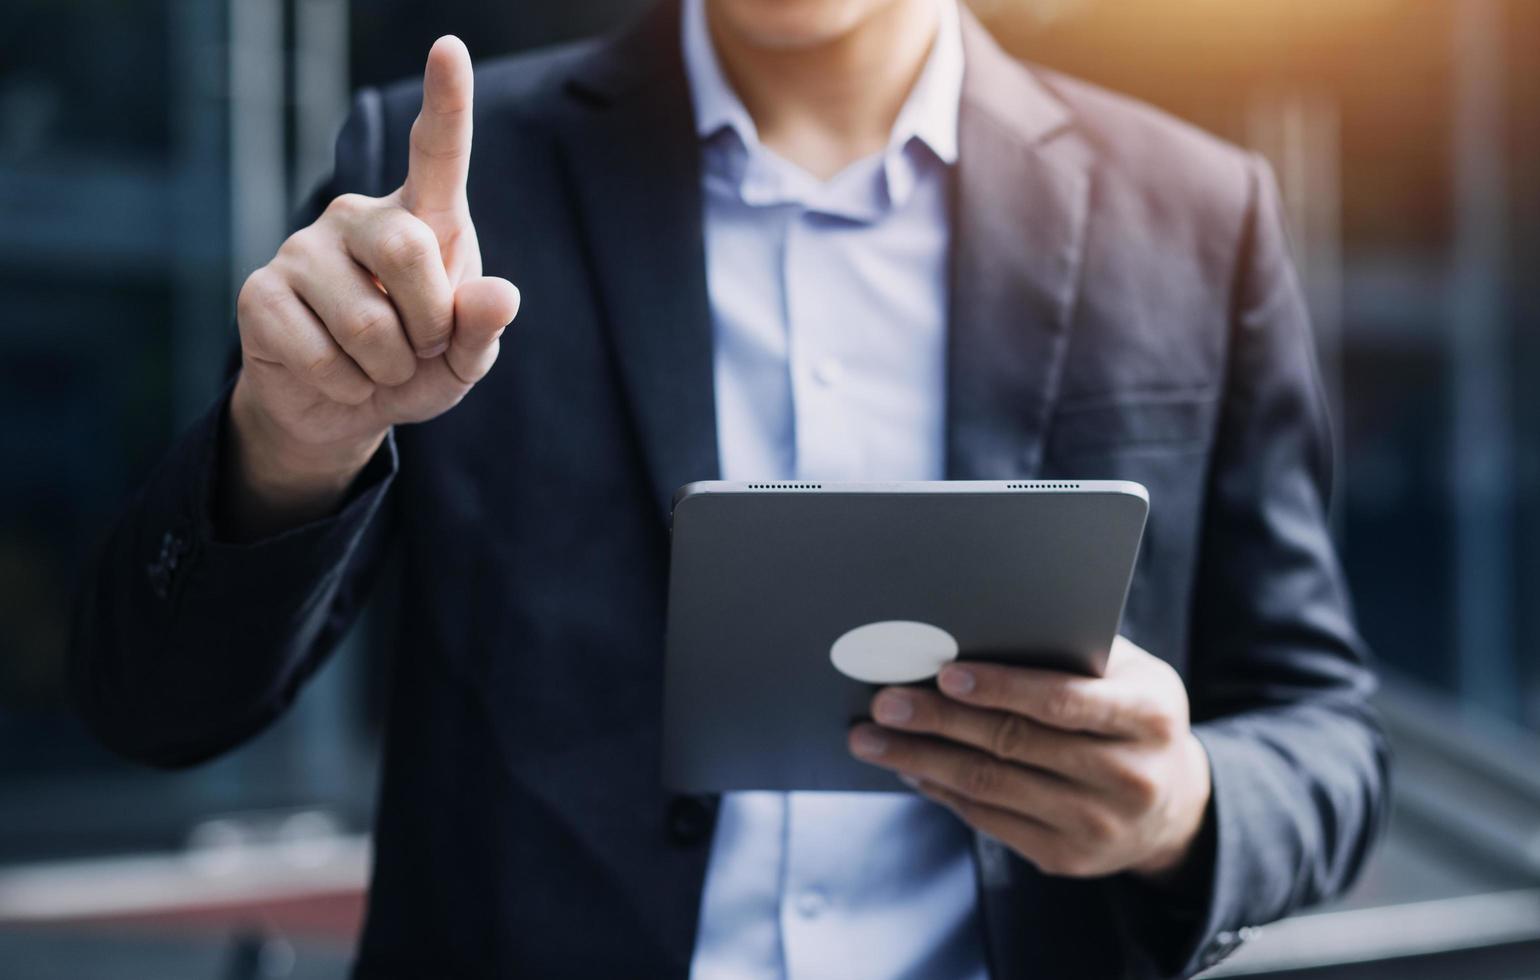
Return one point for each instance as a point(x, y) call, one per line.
point(347, 206)
point(1139, 787)
point(369, 328)
point(439, 325)
point(443, 105)
point(367, 325)
point(930, 715)
point(1097, 827)
point(405, 243)
point(324, 367)
point(979, 778)
point(260, 294)
point(1009, 739)
point(1059, 706)
point(1160, 723)
point(298, 245)
point(427, 147)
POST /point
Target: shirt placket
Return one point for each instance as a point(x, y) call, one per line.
point(826, 420)
point(810, 903)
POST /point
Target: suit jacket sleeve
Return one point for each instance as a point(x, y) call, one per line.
point(1280, 682)
point(185, 645)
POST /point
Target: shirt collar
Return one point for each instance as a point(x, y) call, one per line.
point(930, 112)
point(717, 106)
point(928, 115)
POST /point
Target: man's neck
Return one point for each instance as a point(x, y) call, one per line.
point(826, 106)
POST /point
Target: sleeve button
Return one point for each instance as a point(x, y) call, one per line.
point(1225, 942)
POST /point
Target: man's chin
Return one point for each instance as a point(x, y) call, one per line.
point(792, 25)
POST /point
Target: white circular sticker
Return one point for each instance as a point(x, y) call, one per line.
point(894, 651)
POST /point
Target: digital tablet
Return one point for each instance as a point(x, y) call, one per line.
point(791, 603)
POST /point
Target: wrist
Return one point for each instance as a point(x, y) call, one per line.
point(271, 482)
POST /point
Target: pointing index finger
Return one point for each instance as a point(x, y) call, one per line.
point(441, 137)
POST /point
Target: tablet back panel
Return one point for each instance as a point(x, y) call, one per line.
point(765, 578)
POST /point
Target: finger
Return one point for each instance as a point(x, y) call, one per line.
point(434, 390)
point(278, 328)
point(1038, 843)
point(483, 309)
point(975, 775)
point(440, 154)
point(1100, 705)
point(403, 254)
point(1003, 734)
point(357, 314)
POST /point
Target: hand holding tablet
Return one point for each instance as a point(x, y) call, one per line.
point(1082, 776)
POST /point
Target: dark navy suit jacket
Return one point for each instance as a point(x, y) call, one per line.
point(1123, 306)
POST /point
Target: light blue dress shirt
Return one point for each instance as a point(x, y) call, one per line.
point(829, 309)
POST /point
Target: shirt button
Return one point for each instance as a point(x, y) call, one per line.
point(812, 903)
point(828, 371)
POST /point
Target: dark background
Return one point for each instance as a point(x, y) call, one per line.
point(150, 150)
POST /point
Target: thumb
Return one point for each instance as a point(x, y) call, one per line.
point(440, 155)
point(483, 309)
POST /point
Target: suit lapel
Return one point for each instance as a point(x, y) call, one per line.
point(1021, 201)
point(632, 154)
point(1020, 208)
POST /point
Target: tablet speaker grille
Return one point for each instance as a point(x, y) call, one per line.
point(785, 486)
point(1042, 486)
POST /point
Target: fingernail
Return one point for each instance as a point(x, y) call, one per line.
point(958, 680)
point(434, 351)
point(868, 742)
point(893, 708)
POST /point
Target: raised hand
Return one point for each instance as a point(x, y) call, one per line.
point(375, 315)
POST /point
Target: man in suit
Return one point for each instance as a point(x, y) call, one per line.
point(766, 239)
